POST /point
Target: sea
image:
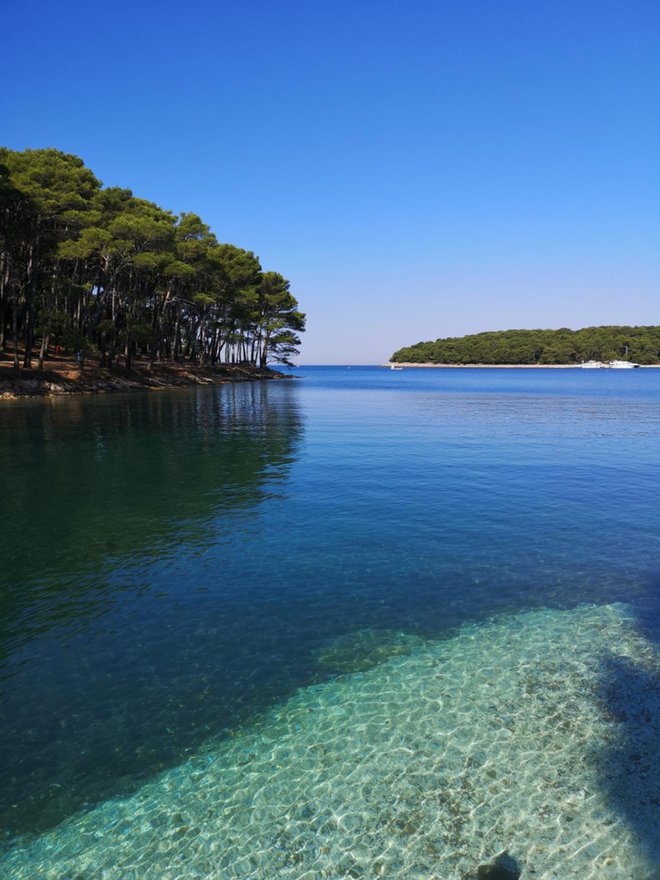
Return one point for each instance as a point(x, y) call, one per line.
point(357, 623)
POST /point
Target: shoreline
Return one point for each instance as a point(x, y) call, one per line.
point(409, 365)
point(63, 379)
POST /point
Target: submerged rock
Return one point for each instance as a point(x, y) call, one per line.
point(492, 872)
point(504, 867)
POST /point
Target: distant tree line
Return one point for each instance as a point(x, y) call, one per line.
point(107, 274)
point(564, 346)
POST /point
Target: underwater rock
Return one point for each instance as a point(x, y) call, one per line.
point(492, 872)
point(504, 867)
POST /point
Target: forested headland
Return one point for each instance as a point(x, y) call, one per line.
point(538, 347)
point(102, 274)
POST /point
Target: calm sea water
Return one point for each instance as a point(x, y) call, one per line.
point(176, 565)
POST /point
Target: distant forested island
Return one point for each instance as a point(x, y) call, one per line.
point(103, 274)
point(533, 347)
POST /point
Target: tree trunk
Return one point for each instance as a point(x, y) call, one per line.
point(130, 351)
point(175, 339)
point(4, 301)
point(14, 331)
point(29, 335)
point(263, 360)
point(43, 349)
point(29, 300)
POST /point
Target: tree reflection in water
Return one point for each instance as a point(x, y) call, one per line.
point(127, 528)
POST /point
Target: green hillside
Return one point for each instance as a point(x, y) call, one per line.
point(563, 346)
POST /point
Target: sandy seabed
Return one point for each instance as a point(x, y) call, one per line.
point(520, 735)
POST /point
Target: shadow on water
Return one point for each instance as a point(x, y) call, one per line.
point(629, 768)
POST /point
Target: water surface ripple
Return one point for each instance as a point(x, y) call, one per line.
point(184, 570)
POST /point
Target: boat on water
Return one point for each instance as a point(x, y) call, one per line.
point(394, 367)
point(610, 365)
point(622, 365)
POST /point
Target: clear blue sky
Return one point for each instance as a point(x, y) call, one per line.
point(416, 169)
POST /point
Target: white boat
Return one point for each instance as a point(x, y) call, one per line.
point(393, 367)
point(622, 365)
point(592, 365)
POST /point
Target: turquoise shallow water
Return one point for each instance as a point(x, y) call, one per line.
point(363, 624)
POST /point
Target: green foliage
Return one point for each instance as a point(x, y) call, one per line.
point(107, 272)
point(139, 333)
point(529, 347)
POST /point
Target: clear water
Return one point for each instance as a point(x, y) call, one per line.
point(361, 624)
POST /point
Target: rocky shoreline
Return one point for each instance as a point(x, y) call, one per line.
point(16, 384)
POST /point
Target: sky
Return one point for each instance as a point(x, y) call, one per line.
point(415, 169)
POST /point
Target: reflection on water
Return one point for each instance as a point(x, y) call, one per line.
point(95, 481)
point(179, 564)
point(109, 505)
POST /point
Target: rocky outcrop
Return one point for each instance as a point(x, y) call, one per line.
point(95, 380)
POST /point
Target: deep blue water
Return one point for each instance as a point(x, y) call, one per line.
point(174, 563)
